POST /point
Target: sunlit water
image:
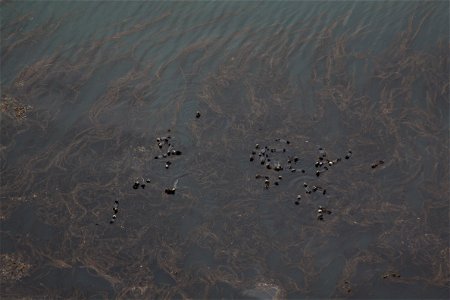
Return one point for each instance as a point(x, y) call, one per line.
point(88, 87)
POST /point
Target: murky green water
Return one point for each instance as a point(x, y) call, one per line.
point(88, 87)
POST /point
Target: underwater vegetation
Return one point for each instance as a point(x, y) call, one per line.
point(273, 160)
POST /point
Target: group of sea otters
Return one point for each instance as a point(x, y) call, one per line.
point(277, 159)
point(269, 158)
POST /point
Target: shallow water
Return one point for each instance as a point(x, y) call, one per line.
point(87, 87)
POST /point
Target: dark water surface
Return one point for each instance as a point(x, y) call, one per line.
point(87, 87)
